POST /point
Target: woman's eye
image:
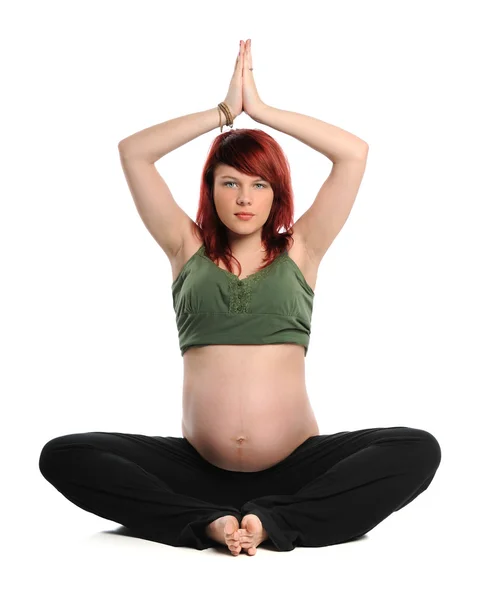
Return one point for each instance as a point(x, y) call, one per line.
point(229, 182)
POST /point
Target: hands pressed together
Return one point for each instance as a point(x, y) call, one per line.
point(242, 94)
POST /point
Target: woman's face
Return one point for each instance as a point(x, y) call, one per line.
point(235, 192)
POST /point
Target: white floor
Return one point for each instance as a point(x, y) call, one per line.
point(58, 551)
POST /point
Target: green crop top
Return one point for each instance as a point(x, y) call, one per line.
point(214, 306)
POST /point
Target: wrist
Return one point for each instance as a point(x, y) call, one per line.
point(257, 115)
point(223, 116)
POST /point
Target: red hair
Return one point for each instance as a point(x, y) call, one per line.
point(252, 152)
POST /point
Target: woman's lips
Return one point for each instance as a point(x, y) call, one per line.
point(244, 217)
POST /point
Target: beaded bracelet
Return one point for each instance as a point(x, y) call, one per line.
point(228, 115)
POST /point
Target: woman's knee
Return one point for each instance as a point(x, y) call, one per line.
point(429, 453)
point(433, 449)
point(55, 452)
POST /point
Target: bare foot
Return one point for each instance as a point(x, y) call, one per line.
point(252, 533)
point(224, 530)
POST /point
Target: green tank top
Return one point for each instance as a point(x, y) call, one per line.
point(214, 306)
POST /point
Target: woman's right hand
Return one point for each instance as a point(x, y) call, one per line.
point(234, 95)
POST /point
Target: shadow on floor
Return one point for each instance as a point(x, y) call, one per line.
point(266, 545)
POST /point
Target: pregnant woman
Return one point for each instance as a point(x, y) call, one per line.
point(251, 466)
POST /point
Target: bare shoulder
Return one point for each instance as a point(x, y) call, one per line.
point(191, 244)
point(298, 252)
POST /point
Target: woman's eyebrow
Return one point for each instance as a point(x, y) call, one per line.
point(232, 177)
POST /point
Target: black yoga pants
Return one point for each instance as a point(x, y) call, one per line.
point(331, 489)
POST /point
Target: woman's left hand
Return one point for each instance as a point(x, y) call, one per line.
point(252, 104)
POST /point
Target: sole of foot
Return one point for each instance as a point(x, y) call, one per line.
point(252, 533)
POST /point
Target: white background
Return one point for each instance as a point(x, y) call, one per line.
point(88, 335)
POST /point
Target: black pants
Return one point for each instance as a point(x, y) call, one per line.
point(332, 489)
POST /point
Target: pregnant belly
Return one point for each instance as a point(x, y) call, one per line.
point(248, 433)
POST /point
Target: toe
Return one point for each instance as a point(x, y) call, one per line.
point(229, 527)
point(234, 548)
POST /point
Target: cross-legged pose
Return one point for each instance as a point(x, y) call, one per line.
point(251, 466)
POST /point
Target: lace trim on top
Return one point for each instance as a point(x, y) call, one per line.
point(240, 290)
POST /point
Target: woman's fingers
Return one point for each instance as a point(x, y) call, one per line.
point(238, 66)
point(238, 60)
point(248, 53)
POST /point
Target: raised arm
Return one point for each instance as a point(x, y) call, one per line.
point(166, 221)
point(154, 142)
